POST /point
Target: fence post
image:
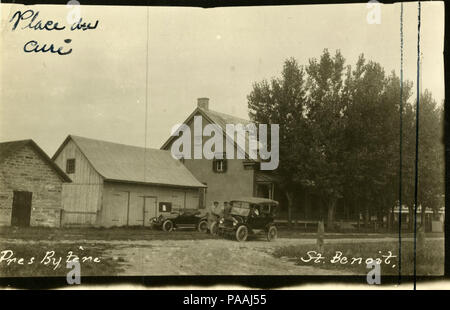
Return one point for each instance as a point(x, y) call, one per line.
point(320, 235)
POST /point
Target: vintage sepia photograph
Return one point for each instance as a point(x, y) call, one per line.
point(290, 140)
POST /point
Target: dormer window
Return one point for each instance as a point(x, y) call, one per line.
point(70, 165)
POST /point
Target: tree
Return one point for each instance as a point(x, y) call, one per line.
point(282, 101)
point(339, 136)
point(431, 155)
point(327, 121)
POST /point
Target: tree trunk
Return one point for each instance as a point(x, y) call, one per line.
point(358, 214)
point(411, 218)
point(423, 219)
point(290, 203)
point(392, 219)
point(331, 213)
point(366, 217)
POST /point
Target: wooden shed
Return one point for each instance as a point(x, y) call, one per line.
point(121, 185)
point(30, 186)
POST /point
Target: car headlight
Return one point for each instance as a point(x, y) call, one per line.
point(234, 223)
point(221, 221)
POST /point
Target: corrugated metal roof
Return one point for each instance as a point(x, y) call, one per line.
point(126, 163)
point(9, 148)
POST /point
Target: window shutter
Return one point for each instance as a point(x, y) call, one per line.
point(214, 165)
point(224, 165)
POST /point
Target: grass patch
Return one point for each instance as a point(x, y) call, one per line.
point(93, 233)
point(430, 258)
point(35, 264)
point(145, 233)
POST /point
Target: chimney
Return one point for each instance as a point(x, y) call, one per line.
point(203, 103)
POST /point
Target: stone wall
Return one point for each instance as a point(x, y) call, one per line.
point(26, 170)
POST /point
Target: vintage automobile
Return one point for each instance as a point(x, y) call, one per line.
point(181, 219)
point(249, 216)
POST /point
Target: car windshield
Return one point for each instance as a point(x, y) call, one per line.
point(240, 208)
point(265, 209)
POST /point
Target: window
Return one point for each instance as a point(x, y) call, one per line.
point(219, 165)
point(70, 165)
point(165, 207)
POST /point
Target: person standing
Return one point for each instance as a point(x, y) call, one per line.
point(211, 216)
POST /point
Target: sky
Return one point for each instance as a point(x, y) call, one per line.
point(161, 59)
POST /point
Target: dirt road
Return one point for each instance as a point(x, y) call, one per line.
point(205, 257)
point(210, 257)
point(216, 257)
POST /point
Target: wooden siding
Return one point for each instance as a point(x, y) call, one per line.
point(129, 204)
point(81, 199)
point(84, 172)
point(81, 203)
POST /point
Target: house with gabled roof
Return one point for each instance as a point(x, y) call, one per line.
point(121, 185)
point(30, 186)
point(226, 178)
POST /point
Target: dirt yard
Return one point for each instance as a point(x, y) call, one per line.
point(173, 254)
point(208, 257)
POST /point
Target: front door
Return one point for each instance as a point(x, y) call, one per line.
point(264, 190)
point(21, 208)
point(149, 209)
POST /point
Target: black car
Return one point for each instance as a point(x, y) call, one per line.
point(182, 219)
point(249, 216)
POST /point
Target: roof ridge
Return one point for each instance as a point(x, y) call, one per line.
point(19, 144)
point(226, 114)
point(132, 164)
point(117, 143)
point(16, 141)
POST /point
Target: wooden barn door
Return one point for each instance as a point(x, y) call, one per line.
point(21, 209)
point(117, 209)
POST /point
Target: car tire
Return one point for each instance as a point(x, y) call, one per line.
point(241, 233)
point(167, 226)
point(214, 228)
point(272, 233)
point(202, 226)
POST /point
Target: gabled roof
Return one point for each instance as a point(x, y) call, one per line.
point(218, 118)
point(8, 149)
point(132, 164)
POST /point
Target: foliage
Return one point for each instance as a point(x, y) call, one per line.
point(339, 134)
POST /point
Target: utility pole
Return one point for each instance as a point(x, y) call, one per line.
point(416, 174)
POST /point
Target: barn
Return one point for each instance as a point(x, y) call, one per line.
point(121, 185)
point(30, 186)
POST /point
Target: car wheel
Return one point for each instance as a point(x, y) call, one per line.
point(242, 233)
point(167, 225)
point(272, 233)
point(214, 229)
point(202, 226)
